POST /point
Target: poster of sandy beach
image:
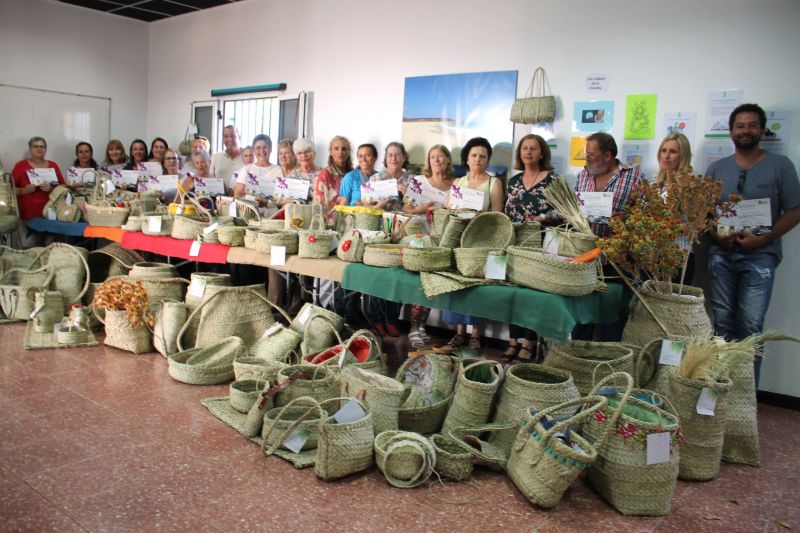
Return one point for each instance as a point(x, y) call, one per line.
point(450, 109)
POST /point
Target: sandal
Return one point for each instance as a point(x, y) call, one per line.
point(475, 343)
point(415, 339)
point(511, 351)
point(458, 340)
point(525, 354)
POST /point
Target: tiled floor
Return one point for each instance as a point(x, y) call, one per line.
point(98, 439)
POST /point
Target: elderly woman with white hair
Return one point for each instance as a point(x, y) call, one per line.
point(201, 168)
point(306, 169)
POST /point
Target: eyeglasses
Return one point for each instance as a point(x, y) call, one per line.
point(172, 159)
point(742, 178)
point(40, 146)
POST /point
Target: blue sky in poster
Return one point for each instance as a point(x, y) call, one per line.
point(469, 99)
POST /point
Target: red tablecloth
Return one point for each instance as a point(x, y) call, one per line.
point(209, 252)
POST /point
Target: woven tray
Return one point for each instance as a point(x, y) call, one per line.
point(530, 267)
point(40, 341)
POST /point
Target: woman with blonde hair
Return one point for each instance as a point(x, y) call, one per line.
point(674, 155)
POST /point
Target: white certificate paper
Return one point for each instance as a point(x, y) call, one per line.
point(258, 183)
point(421, 192)
point(748, 214)
point(75, 174)
point(596, 205)
point(465, 198)
point(209, 185)
point(378, 190)
point(42, 176)
point(125, 178)
point(168, 182)
point(292, 188)
point(151, 168)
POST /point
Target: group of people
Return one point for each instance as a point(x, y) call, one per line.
point(742, 264)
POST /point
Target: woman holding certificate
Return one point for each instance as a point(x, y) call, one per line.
point(201, 162)
point(475, 154)
point(138, 151)
point(526, 203)
point(424, 193)
point(326, 186)
point(286, 159)
point(259, 177)
point(395, 163)
point(34, 178)
point(350, 190)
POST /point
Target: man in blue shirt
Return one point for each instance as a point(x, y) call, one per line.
point(742, 264)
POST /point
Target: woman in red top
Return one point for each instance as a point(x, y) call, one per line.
point(32, 198)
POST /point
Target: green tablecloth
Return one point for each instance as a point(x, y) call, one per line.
point(550, 315)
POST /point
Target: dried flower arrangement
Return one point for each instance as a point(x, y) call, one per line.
point(117, 294)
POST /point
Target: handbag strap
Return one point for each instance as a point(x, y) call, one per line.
point(74, 250)
point(332, 326)
point(623, 401)
point(314, 406)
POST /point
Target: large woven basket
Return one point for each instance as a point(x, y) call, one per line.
point(381, 394)
point(14, 286)
point(231, 235)
point(681, 315)
point(148, 270)
point(169, 319)
point(429, 381)
point(541, 465)
point(383, 255)
point(741, 430)
point(106, 214)
point(528, 235)
point(701, 456)
point(471, 262)
point(474, 395)
point(440, 219)
point(186, 227)
point(571, 242)
point(71, 271)
point(321, 335)
point(491, 229)
point(120, 333)
point(251, 236)
point(253, 368)
point(266, 239)
point(530, 267)
point(344, 448)
point(209, 365)
point(451, 234)
point(278, 421)
point(430, 259)
point(528, 386)
point(406, 459)
point(621, 473)
point(590, 361)
point(111, 260)
point(166, 225)
point(316, 381)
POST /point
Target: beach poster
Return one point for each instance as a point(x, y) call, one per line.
point(450, 109)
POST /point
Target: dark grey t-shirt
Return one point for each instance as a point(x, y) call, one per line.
point(773, 177)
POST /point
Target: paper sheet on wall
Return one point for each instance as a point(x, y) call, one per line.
point(636, 154)
point(577, 151)
point(593, 116)
point(683, 122)
point(718, 111)
point(777, 137)
point(640, 116)
point(714, 151)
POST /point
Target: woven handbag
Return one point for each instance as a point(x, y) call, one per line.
point(321, 336)
point(229, 311)
point(317, 381)
point(702, 453)
point(429, 381)
point(659, 312)
point(381, 394)
point(14, 287)
point(456, 224)
point(651, 352)
point(120, 333)
point(164, 228)
point(344, 448)
point(9, 211)
point(170, 316)
point(71, 271)
point(542, 464)
point(530, 267)
point(621, 473)
point(299, 216)
point(111, 260)
point(48, 309)
point(741, 430)
point(231, 235)
point(332, 354)
point(406, 459)
point(102, 210)
point(568, 241)
point(24, 259)
point(476, 386)
point(439, 219)
point(478, 441)
point(315, 242)
point(367, 349)
point(253, 368)
point(534, 109)
point(279, 422)
point(209, 365)
point(62, 202)
point(452, 460)
point(587, 361)
point(242, 394)
point(526, 386)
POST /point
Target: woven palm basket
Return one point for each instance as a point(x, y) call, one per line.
point(266, 239)
point(471, 262)
point(530, 267)
point(209, 365)
point(406, 459)
point(231, 235)
point(430, 259)
point(452, 461)
point(491, 229)
point(383, 255)
point(528, 234)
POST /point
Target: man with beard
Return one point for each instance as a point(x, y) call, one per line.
point(742, 264)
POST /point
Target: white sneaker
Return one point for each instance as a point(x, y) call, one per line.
point(424, 334)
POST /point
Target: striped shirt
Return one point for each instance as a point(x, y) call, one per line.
point(622, 184)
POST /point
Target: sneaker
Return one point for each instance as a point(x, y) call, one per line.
point(392, 330)
point(415, 339)
point(424, 334)
point(380, 330)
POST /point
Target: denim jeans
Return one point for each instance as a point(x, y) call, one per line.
point(741, 288)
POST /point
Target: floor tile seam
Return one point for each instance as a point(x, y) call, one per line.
point(55, 506)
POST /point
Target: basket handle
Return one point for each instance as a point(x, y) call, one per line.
point(317, 218)
point(83, 262)
point(314, 406)
point(497, 367)
point(332, 326)
point(457, 434)
point(611, 424)
point(249, 208)
point(373, 338)
point(401, 441)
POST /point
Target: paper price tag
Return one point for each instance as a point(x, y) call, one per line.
point(213, 227)
point(154, 224)
point(658, 448)
point(305, 315)
point(275, 328)
point(671, 352)
point(36, 311)
point(334, 243)
point(350, 412)
point(232, 209)
point(707, 402)
point(197, 288)
point(179, 210)
point(277, 255)
point(417, 242)
point(296, 439)
point(108, 186)
point(51, 213)
point(496, 267)
point(194, 250)
point(68, 199)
